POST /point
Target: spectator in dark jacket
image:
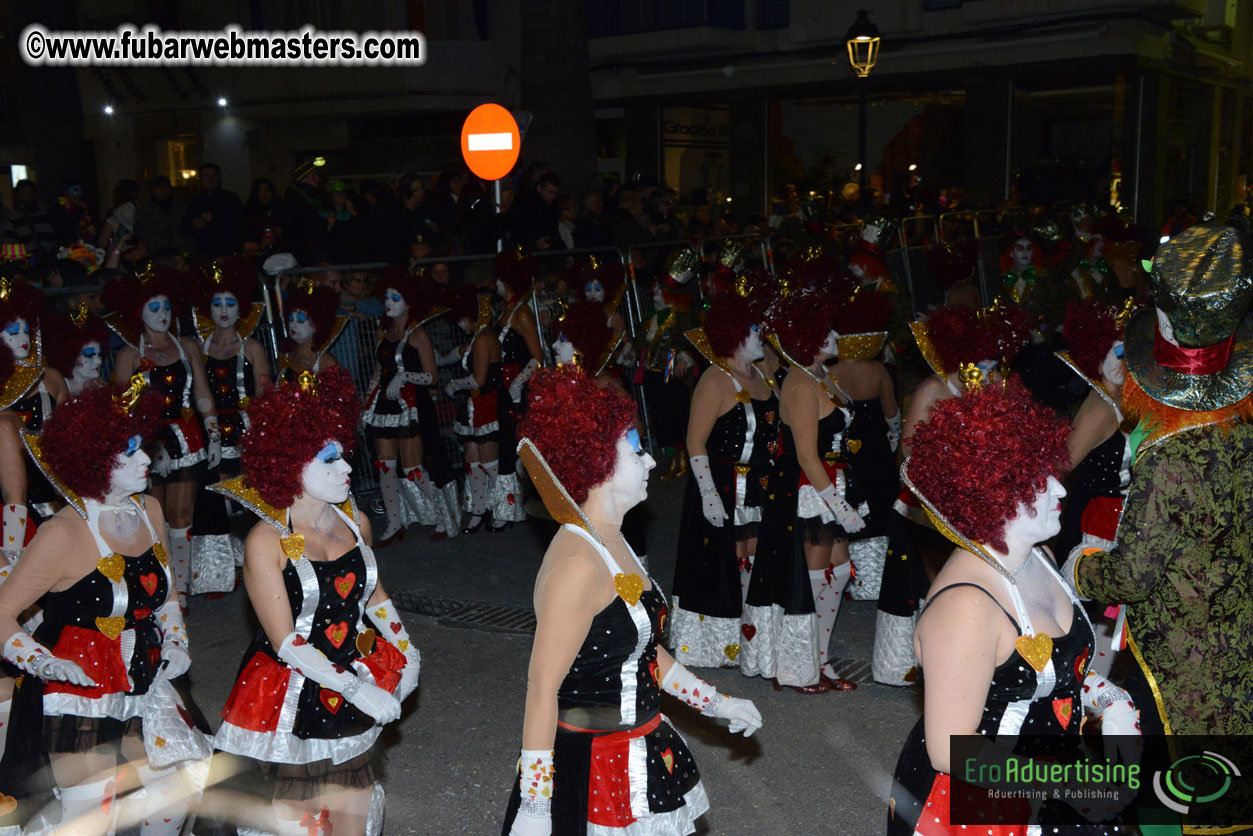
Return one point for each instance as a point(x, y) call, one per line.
point(263, 215)
point(214, 216)
point(28, 222)
point(159, 219)
point(535, 220)
point(301, 204)
point(344, 237)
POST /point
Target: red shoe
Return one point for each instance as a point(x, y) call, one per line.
point(820, 687)
point(395, 538)
point(436, 536)
point(836, 683)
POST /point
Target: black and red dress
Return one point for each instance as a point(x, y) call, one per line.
point(395, 418)
point(180, 437)
point(233, 383)
point(620, 767)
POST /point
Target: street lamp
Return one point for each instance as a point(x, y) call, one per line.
point(862, 42)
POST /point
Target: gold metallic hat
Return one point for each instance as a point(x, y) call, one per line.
point(1200, 285)
point(681, 265)
point(731, 254)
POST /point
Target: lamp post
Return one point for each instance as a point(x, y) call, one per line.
point(862, 41)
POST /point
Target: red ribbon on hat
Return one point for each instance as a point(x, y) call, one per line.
point(1208, 360)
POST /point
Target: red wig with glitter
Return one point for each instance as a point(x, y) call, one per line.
point(730, 319)
point(864, 311)
point(22, 301)
point(519, 273)
point(414, 288)
point(290, 426)
point(64, 338)
point(950, 262)
point(320, 302)
point(127, 295)
point(84, 436)
point(584, 327)
point(236, 276)
point(1090, 331)
point(979, 457)
point(576, 426)
point(1006, 329)
point(801, 322)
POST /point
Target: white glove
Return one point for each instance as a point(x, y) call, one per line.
point(161, 464)
point(1072, 565)
point(531, 824)
point(399, 380)
point(535, 786)
point(894, 431)
point(386, 621)
point(626, 355)
point(449, 357)
point(23, 651)
point(710, 503)
point(696, 692)
point(177, 661)
point(313, 664)
point(518, 385)
point(213, 437)
point(461, 384)
point(1118, 715)
point(846, 515)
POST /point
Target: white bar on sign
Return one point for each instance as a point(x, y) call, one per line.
point(490, 142)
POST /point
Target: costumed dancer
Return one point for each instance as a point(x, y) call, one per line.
point(1182, 563)
point(1004, 643)
point(30, 391)
point(802, 564)
point(405, 371)
point(953, 265)
point(1099, 451)
point(604, 284)
point(1034, 287)
point(312, 327)
point(75, 344)
point(733, 426)
point(868, 264)
point(477, 424)
point(954, 341)
point(664, 364)
point(332, 661)
point(143, 313)
point(520, 355)
point(100, 663)
point(597, 754)
point(1092, 276)
point(860, 322)
point(238, 370)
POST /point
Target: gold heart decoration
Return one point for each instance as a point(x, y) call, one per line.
point(403, 645)
point(293, 546)
point(732, 650)
point(111, 627)
point(112, 566)
point(158, 551)
point(365, 642)
point(630, 587)
point(160, 741)
point(1035, 649)
point(854, 444)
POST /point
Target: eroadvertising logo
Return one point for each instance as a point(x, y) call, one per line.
point(1194, 780)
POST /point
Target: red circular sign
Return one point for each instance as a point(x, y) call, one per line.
point(490, 141)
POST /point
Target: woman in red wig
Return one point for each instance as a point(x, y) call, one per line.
point(112, 634)
point(400, 395)
point(312, 326)
point(144, 308)
point(597, 755)
point(802, 557)
point(731, 434)
point(75, 345)
point(1004, 644)
point(332, 660)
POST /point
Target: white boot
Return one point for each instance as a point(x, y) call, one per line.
point(180, 561)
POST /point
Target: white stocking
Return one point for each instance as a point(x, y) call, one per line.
point(389, 487)
point(13, 538)
point(167, 801)
point(827, 603)
point(423, 481)
point(746, 574)
point(83, 809)
point(180, 560)
point(490, 471)
point(478, 489)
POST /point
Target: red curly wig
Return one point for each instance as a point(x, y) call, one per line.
point(64, 338)
point(126, 295)
point(320, 302)
point(84, 436)
point(1090, 330)
point(730, 319)
point(979, 457)
point(576, 426)
point(415, 289)
point(1006, 329)
point(463, 303)
point(950, 262)
point(584, 326)
point(234, 275)
point(518, 272)
point(22, 301)
point(801, 322)
point(961, 335)
point(863, 311)
point(290, 426)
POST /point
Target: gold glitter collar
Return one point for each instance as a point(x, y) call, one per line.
point(33, 446)
point(123, 330)
point(861, 346)
point(239, 490)
point(922, 336)
point(558, 502)
point(244, 326)
point(1096, 385)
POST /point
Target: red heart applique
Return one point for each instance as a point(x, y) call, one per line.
point(337, 633)
point(141, 613)
point(344, 584)
point(655, 670)
point(667, 755)
point(149, 583)
point(154, 657)
point(1080, 663)
point(396, 627)
point(1063, 709)
point(332, 700)
point(748, 631)
point(298, 641)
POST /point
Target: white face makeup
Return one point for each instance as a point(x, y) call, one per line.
point(87, 367)
point(224, 308)
point(1112, 367)
point(326, 477)
point(299, 327)
point(1022, 254)
point(16, 336)
point(629, 482)
point(1038, 519)
point(659, 301)
point(158, 313)
point(594, 291)
point(502, 289)
point(1165, 328)
point(130, 470)
point(394, 304)
point(563, 350)
point(1098, 247)
point(751, 350)
point(831, 347)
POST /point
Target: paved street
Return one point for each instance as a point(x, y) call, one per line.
point(821, 765)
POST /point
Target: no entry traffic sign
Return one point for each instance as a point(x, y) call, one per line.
point(490, 141)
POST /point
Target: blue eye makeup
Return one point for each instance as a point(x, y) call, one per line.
point(133, 443)
point(167, 305)
point(1119, 351)
point(755, 329)
point(154, 306)
point(225, 300)
point(88, 351)
point(329, 454)
point(633, 438)
point(13, 328)
point(395, 297)
point(299, 316)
